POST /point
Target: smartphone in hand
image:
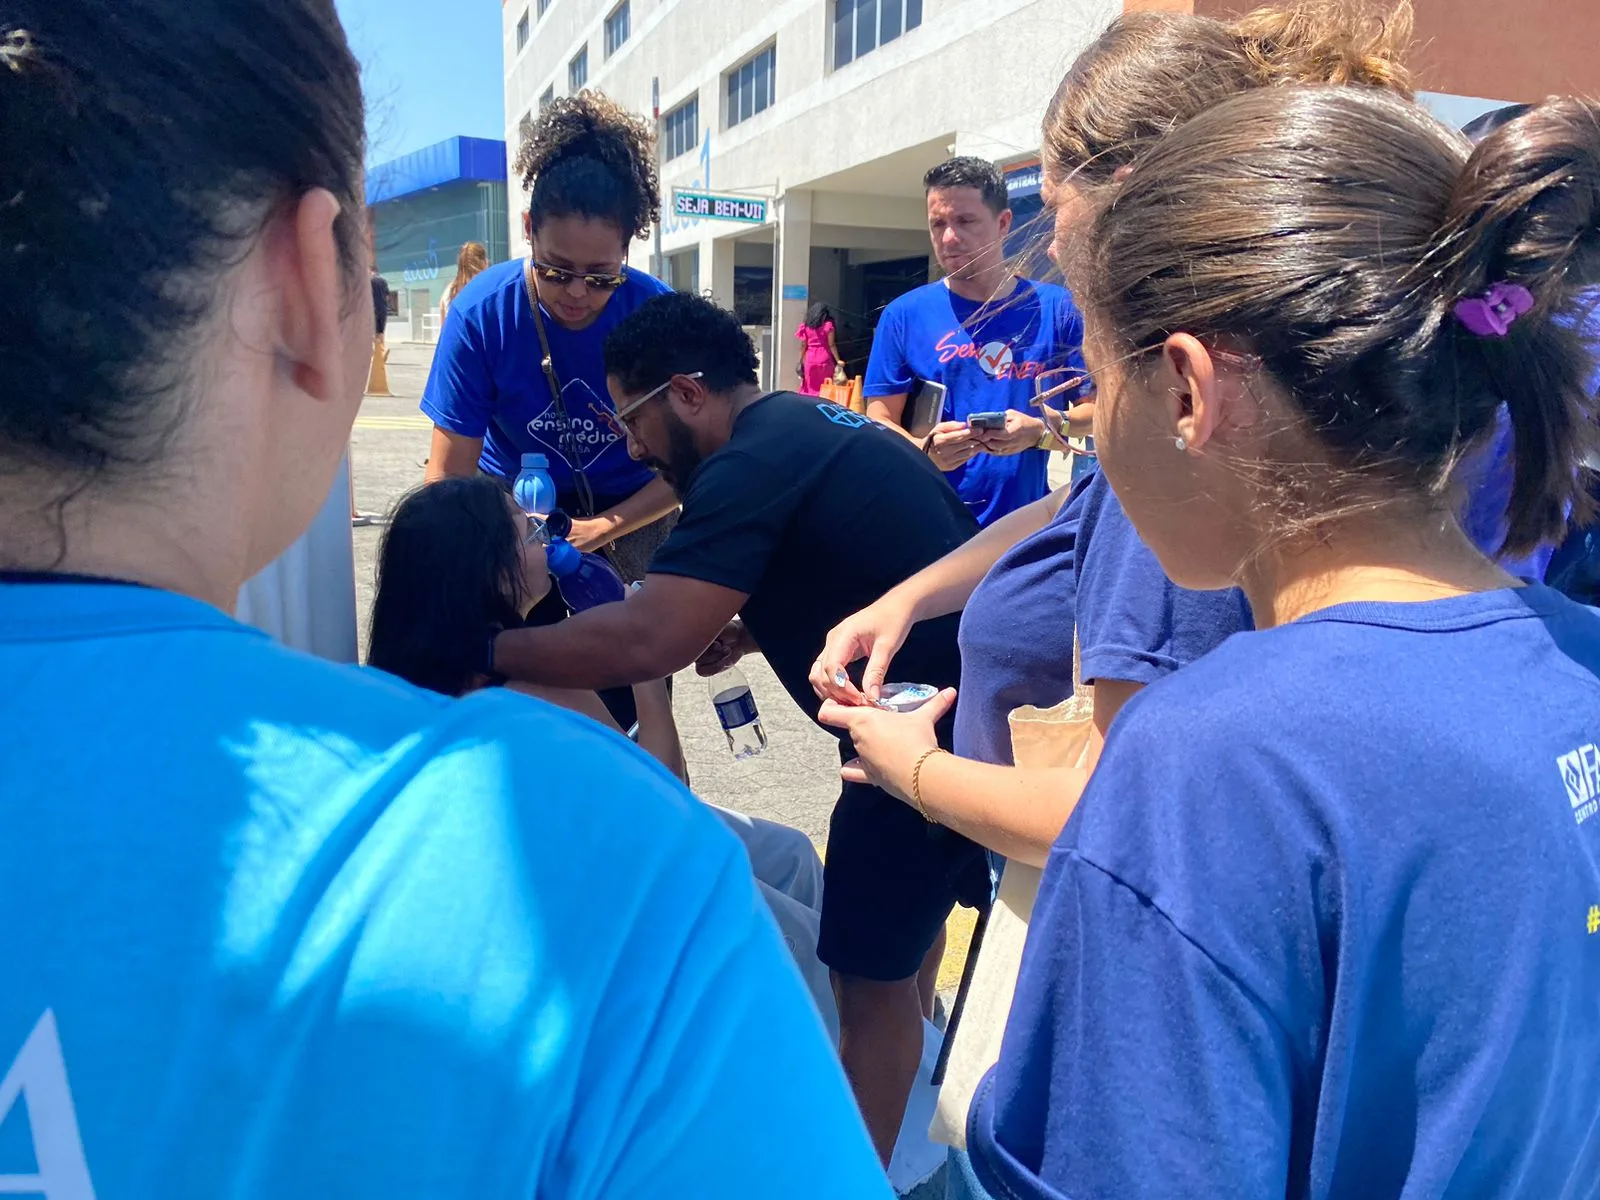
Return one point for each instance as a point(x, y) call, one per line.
point(986, 422)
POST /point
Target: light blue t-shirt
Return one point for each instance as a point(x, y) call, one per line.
point(272, 927)
point(989, 356)
point(487, 383)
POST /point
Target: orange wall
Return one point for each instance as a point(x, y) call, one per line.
point(1518, 51)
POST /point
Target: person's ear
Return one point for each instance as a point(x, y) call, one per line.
point(527, 227)
point(688, 394)
point(307, 274)
point(1186, 382)
point(1005, 222)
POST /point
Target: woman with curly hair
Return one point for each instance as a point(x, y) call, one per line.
point(518, 367)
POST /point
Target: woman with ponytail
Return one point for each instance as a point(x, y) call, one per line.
point(518, 368)
point(1318, 929)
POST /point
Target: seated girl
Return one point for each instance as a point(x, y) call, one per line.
point(459, 560)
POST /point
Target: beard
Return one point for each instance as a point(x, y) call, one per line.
point(682, 457)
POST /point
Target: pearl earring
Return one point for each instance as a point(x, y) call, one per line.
point(1180, 443)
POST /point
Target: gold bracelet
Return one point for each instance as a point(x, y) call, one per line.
point(1047, 439)
point(916, 782)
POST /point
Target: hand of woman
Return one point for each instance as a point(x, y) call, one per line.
point(591, 533)
point(888, 744)
point(838, 373)
point(876, 633)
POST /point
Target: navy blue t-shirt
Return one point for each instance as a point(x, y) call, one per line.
point(1016, 636)
point(1319, 930)
point(486, 382)
point(1135, 624)
point(988, 355)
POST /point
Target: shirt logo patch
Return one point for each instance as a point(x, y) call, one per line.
point(1580, 772)
point(995, 358)
point(843, 416)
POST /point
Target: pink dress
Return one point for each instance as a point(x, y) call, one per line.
point(816, 362)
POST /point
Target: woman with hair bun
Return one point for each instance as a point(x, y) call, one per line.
point(518, 368)
point(1314, 931)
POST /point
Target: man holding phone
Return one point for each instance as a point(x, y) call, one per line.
point(983, 337)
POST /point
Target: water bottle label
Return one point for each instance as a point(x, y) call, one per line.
point(735, 708)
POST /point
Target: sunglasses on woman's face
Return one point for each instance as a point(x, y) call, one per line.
point(594, 280)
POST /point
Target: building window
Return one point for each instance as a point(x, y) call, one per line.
point(861, 26)
point(578, 71)
point(680, 129)
point(617, 28)
point(547, 98)
point(522, 31)
point(543, 5)
point(752, 86)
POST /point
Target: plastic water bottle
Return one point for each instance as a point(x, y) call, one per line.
point(534, 490)
point(736, 710)
point(584, 580)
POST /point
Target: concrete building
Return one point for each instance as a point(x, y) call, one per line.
point(814, 120)
point(423, 207)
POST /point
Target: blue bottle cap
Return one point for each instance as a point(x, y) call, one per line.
point(535, 462)
point(563, 557)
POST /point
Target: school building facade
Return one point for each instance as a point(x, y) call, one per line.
point(795, 133)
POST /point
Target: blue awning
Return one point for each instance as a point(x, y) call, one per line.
point(460, 159)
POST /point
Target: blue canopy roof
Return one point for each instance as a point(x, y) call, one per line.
point(458, 159)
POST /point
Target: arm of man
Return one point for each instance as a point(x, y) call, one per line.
point(459, 398)
point(660, 629)
point(889, 378)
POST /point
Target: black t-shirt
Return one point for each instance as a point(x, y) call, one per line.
point(816, 512)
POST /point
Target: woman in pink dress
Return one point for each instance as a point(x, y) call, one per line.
point(820, 360)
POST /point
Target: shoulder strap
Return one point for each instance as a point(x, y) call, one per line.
point(569, 442)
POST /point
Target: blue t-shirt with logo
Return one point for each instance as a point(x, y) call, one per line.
point(988, 356)
point(275, 927)
point(487, 382)
point(1319, 929)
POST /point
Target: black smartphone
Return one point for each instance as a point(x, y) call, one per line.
point(987, 421)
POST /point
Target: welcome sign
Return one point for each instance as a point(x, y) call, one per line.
point(709, 206)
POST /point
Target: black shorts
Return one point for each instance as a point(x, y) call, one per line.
point(890, 880)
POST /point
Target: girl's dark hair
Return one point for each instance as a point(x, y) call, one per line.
point(587, 156)
point(449, 572)
point(1149, 72)
point(1331, 232)
point(147, 144)
point(818, 315)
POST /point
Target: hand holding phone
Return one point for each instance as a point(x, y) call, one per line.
point(986, 422)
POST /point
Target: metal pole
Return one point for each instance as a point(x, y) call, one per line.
point(774, 354)
point(661, 165)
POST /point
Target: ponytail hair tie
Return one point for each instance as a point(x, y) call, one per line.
point(1491, 314)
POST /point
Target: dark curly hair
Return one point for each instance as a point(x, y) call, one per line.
point(678, 334)
point(587, 156)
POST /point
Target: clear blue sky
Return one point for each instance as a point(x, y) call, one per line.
point(432, 69)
